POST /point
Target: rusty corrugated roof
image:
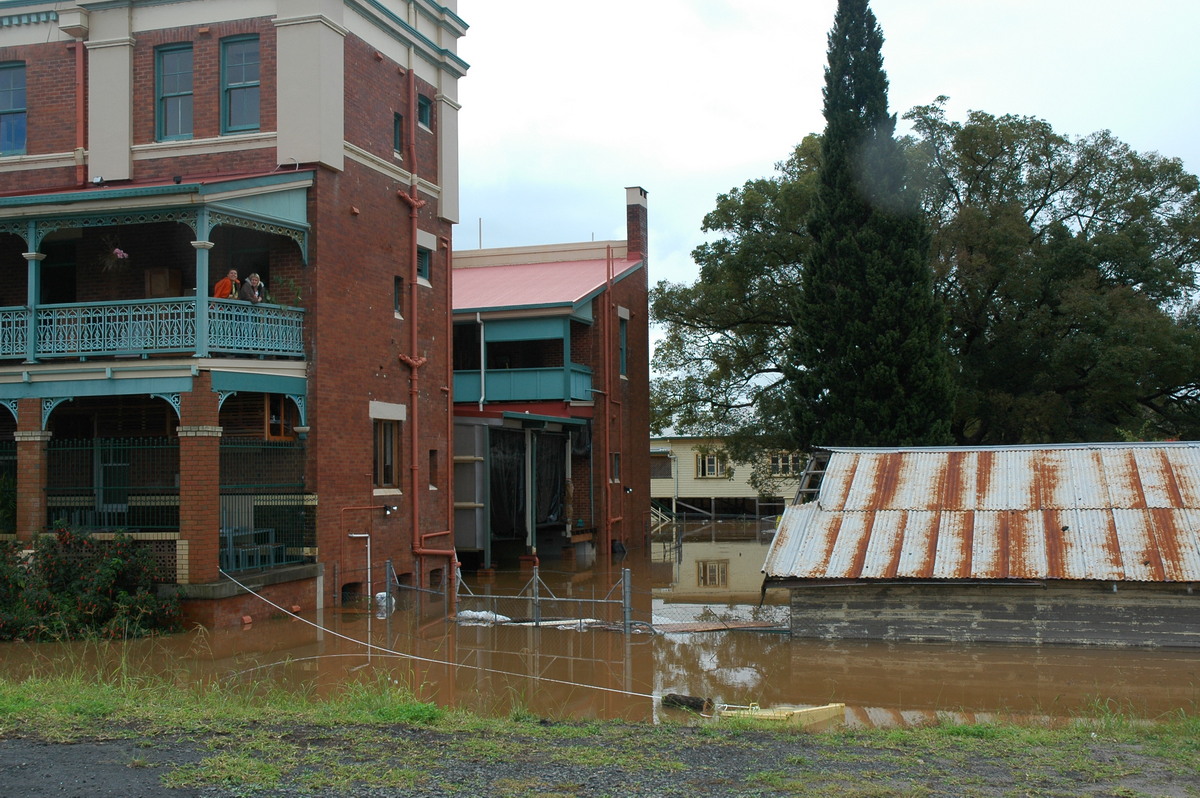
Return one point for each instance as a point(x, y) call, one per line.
point(1119, 512)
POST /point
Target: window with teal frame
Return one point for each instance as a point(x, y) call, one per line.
point(239, 84)
point(424, 111)
point(12, 108)
point(424, 260)
point(173, 74)
point(398, 133)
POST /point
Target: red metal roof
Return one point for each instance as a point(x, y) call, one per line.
point(528, 285)
point(1119, 512)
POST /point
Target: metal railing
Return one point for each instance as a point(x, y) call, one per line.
point(151, 326)
point(265, 515)
point(113, 483)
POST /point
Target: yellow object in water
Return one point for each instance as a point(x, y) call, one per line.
point(805, 717)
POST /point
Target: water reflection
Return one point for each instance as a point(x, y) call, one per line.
point(686, 575)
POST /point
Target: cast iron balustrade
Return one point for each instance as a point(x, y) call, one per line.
point(151, 326)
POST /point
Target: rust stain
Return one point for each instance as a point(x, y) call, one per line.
point(924, 568)
point(1110, 547)
point(1164, 558)
point(1052, 528)
point(950, 484)
point(831, 538)
point(860, 553)
point(887, 480)
point(1170, 480)
point(985, 466)
point(1136, 489)
point(966, 565)
point(893, 566)
point(1003, 555)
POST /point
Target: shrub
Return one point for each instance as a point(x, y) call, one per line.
point(76, 586)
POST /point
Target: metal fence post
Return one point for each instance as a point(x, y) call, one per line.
point(627, 598)
point(537, 606)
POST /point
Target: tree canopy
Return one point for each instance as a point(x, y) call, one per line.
point(1065, 269)
point(867, 364)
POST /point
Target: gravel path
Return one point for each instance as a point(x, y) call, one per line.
point(569, 761)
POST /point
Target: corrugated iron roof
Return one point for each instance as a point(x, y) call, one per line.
point(1119, 512)
point(533, 285)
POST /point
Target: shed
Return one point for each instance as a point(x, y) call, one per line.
point(1087, 544)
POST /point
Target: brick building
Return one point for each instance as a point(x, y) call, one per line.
point(147, 149)
point(551, 391)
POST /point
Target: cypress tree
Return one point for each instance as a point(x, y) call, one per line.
point(871, 367)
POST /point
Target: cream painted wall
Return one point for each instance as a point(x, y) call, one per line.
point(110, 94)
point(311, 82)
point(691, 486)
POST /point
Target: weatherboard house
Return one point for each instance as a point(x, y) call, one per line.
point(1089, 544)
point(148, 148)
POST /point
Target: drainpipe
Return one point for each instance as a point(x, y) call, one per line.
point(415, 361)
point(482, 362)
point(610, 399)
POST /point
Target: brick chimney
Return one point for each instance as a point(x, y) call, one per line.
point(637, 231)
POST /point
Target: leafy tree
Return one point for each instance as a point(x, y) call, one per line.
point(1066, 268)
point(868, 365)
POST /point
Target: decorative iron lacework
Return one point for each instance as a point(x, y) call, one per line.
point(299, 400)
point(44, 226)
point(14, 332)
point(173, 400)
point(259, 225)
point(261, 329)
point(11, 404)
point(51, 402)
point(222, 396)
point(116, 328)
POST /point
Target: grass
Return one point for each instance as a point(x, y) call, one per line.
point(253, 737)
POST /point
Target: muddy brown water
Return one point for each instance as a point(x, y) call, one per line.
point(687, 575)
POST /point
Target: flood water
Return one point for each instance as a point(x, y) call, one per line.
point(687, 574)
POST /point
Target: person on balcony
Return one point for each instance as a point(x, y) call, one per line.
point(227, 286)
point(253, 290)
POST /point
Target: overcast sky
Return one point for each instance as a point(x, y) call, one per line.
point(567, 102)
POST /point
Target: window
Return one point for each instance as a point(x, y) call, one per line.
point(433, 469)
point(424, 111)
point(12, 109)
point(660, 467)
point(239, 84)
point(398, 296)
point(424, 261)
point(712, 573)
point(786, 464)
point(615, 459)
point(173, 73)
point(710, 465)
point(623, 333)
point(398, 133)
point(281, 417)
point(387, 454)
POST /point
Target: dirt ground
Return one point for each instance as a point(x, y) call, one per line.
point(570, 763)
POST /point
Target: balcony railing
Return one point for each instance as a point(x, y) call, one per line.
point(573, 382)
point(150, 326)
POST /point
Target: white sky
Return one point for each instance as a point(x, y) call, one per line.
point(567, 102)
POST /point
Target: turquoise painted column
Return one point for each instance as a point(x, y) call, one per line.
point(202, 248)
point(33, 297)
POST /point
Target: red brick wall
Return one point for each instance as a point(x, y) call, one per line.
point(356, 343)
point(376, 89)
point(206, 71)
point(214, 614)
point(51, 106)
